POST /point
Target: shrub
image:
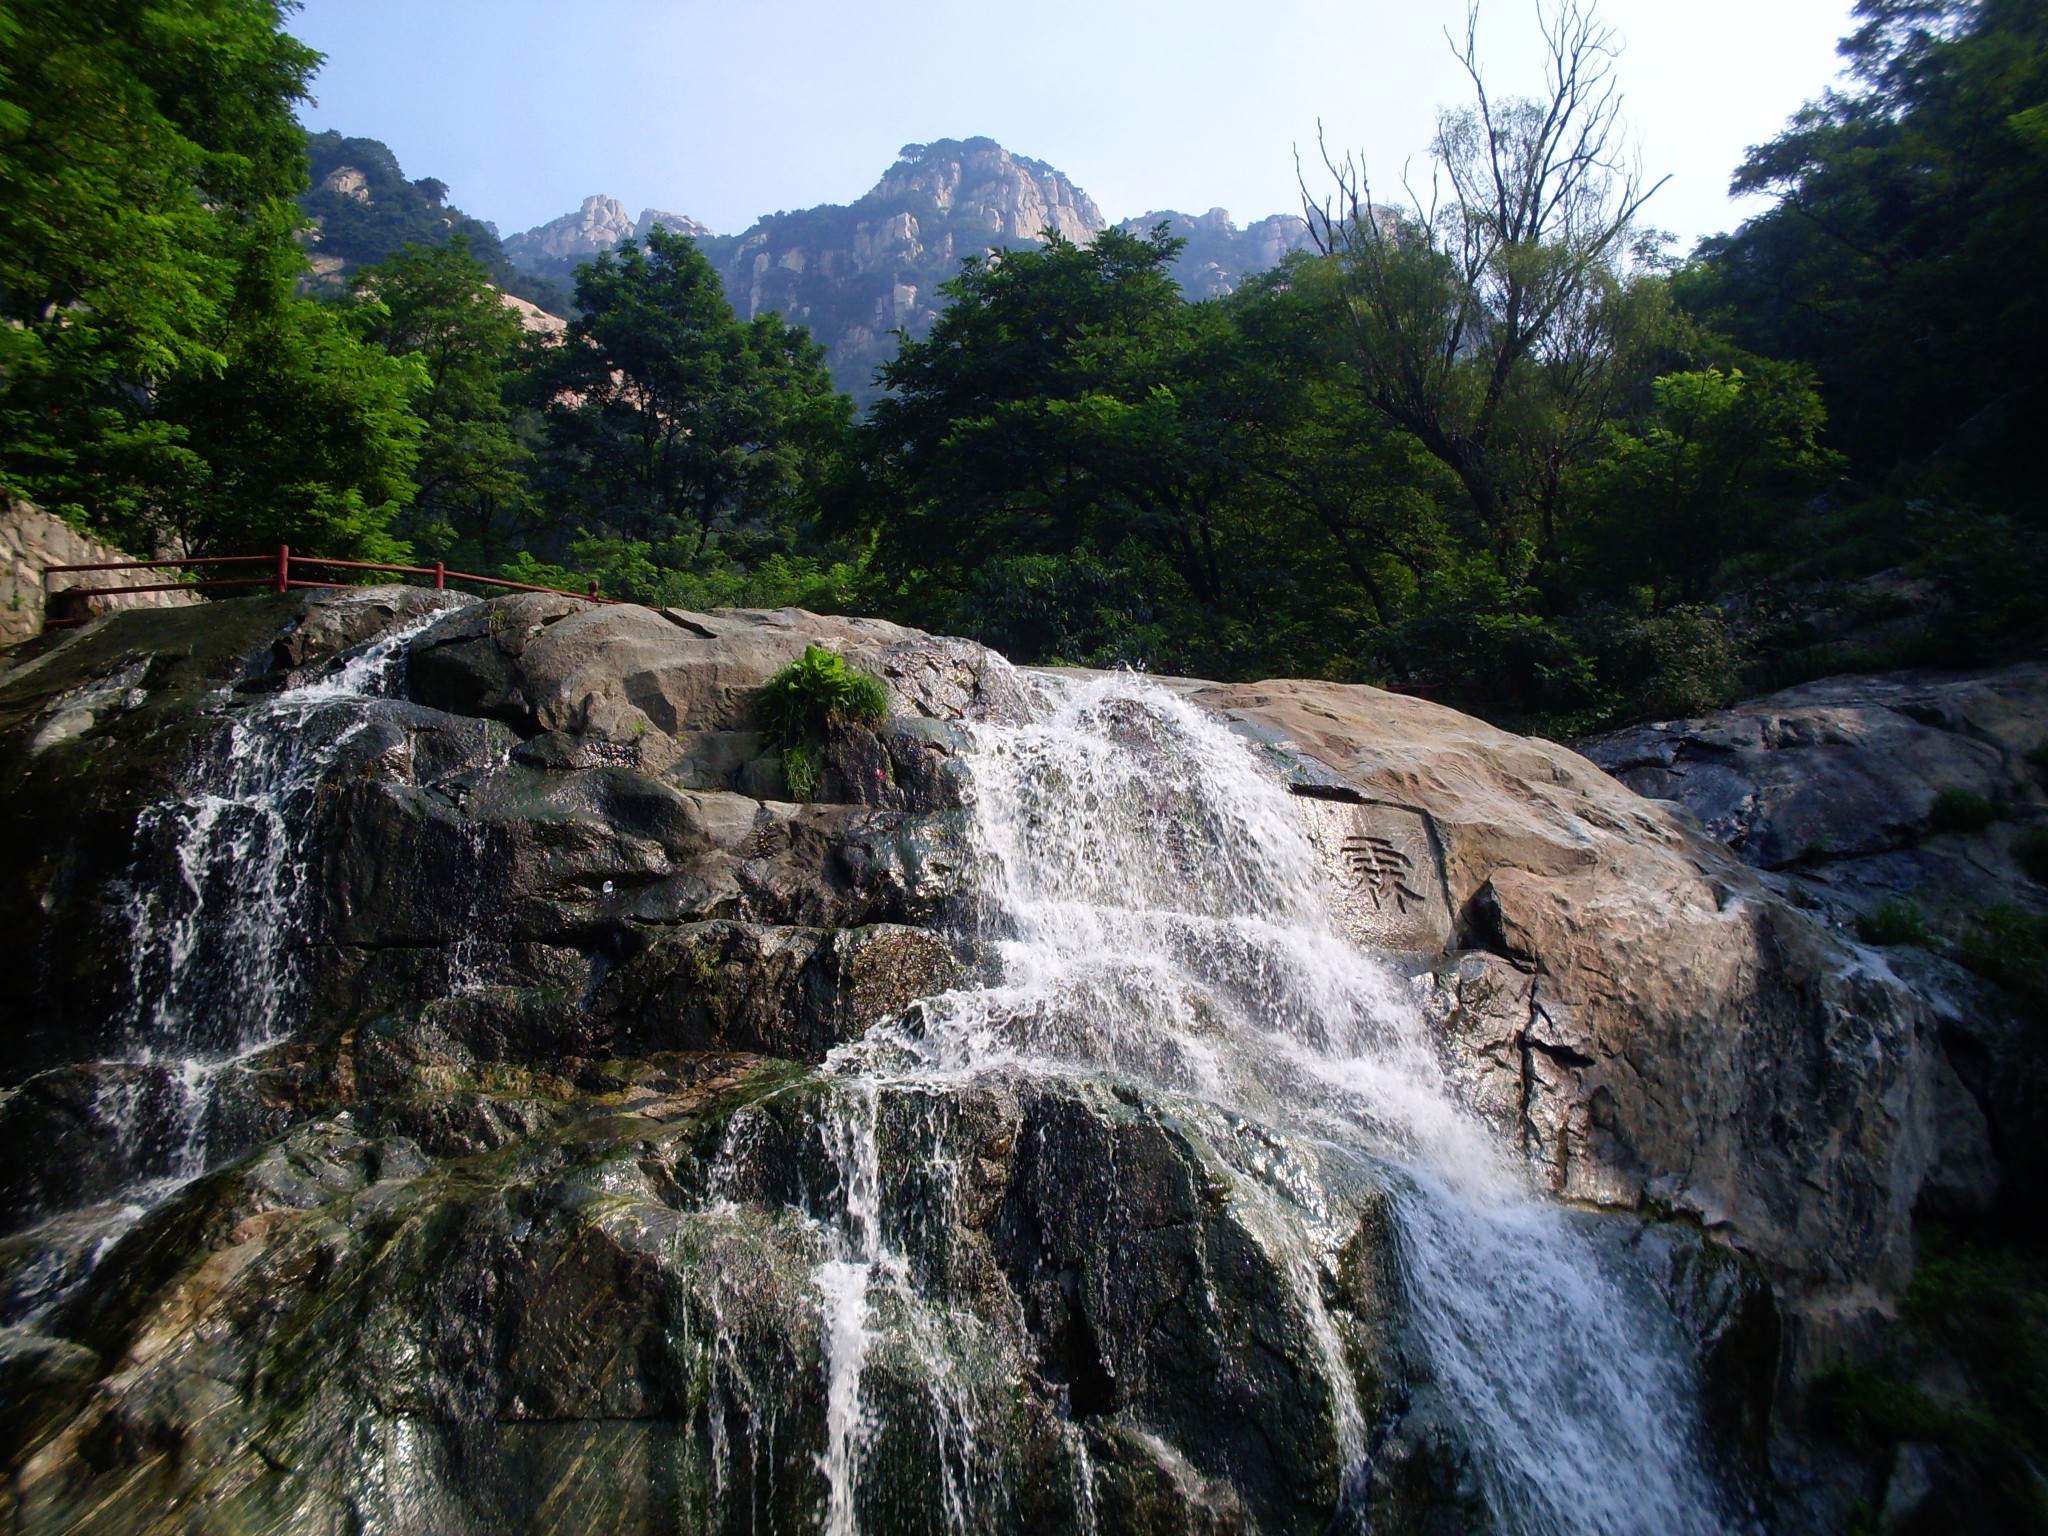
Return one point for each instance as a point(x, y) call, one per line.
point(2009, 946)
point(1961, 810)
point(804, 700)
point(1985, 1309)
point(1895, 922)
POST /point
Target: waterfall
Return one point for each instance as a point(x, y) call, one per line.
point(216, 902)
point(1148, 910)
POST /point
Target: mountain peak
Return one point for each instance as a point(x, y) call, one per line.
point(599, 225)
point(979, 183)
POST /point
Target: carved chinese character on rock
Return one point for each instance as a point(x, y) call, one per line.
point(1387, 889)
point(1380, 871)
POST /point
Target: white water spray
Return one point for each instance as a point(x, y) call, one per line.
point(1153, 912)
point(213, 962)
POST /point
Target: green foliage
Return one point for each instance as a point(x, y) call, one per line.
point(306, 436)
point(1493, 449)
point(1897, 921)
point(138, 143)
point(1906, 207)
point(1674, 499)
point(2008, 945)
point(802, 771)
point(436, 307)
point(1961, 810)
point(638, 572)
point(159, 381)
point(1982, 1310)
point(803, 701)
point(1665, 664)
point(1079, 463)
point(670, 418)
point(815, 691)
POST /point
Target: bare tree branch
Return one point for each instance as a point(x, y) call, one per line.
point(1480, 314)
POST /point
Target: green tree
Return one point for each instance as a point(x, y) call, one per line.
point(141, 146)
point(1079, 463)
point(1491, 317)
point(675, 425)
point(304, 434)
point(437, 307)
point(1671, 500)
point(1912, 212)
point(1050, 409)
point(158, 379)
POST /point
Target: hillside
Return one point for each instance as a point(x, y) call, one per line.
point(364, 208)
point(856, 273)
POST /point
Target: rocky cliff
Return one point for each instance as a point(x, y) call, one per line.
point(553, 251)
point(362, 208)
point(857, 273)
point(1218, 255)
point(450, 1084)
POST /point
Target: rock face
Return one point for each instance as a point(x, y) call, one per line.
point(529, 1195)
point(1219, 255)
point(1896, 808)
point(1841, 783)
point(857, 273)
point(1642, 1012)
point(552, 251)
point(361, 208)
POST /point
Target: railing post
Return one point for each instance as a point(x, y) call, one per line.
point(284, 569)
point(440, 575)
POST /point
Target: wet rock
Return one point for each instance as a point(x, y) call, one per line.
point(620, 1317)
point(1481, 1006)
point(794, 992)
point(1692, 1039)
point(339, 621)
point(1724, 1304)
point(1151, 1304)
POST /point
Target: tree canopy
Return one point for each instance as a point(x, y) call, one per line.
point(1899, 261)
point(1489, 442)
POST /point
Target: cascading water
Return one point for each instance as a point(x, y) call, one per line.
point(216, 904)
point(1150, 911)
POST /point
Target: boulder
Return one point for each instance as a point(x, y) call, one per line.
point(1637, 1010)
point(1866, 798)
point(543, 663)
point(1837, 782)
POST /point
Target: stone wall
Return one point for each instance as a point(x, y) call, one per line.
point(30, 540)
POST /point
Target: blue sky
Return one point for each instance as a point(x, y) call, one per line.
point(727, 109)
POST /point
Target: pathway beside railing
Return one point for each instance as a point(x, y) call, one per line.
point(275, 573)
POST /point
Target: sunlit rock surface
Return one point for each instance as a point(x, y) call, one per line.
point(416, 1117)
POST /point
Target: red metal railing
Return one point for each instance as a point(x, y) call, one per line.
point(277, 575)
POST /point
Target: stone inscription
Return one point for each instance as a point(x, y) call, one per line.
point(1385, 887)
